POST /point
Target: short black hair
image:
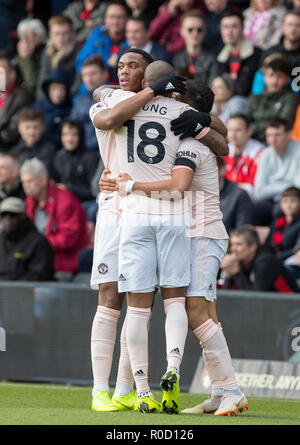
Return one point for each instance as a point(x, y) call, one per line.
point(279, 64)
point(278, 122)
point(146, 56)
point(198, 95)
point(233, 14)
point(140, 19)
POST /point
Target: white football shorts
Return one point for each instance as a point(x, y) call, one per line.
point(106, 248)
point(206, 257)
point(154, 251)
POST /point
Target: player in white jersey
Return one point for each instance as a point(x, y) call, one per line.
point(105, 273)
point(134, 269)
point(208, 246)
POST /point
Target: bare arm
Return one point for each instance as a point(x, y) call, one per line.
point(217, 124)
point(180, 182)
point(216, 142)
point(114, 117)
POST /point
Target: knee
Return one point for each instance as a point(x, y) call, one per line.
point(110, 297)
point(196, 317)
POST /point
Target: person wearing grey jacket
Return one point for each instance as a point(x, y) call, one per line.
point(278, 168)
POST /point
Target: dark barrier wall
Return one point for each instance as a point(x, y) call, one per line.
point(48, 331)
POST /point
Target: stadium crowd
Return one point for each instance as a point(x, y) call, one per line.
point(50, 64)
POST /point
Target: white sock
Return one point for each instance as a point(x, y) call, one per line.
point(176, 328)
point(102, 344)
point(137, 344)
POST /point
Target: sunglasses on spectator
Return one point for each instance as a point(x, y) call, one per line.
point(199, 30)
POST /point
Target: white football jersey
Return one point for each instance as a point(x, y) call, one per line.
point(146, 148)
point(106, 143)
point(206, 214)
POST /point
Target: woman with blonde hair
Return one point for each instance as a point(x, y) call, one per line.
point(263, 21)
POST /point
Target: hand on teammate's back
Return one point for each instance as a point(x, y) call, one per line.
point(190, 123)
point(169, 84)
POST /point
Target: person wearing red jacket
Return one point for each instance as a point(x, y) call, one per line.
point(241, 163)
point(165, 28)
point(57, 214)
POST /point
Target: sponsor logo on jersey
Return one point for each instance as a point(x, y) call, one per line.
point(186, 154)
point(121, 277)
point(102, 268)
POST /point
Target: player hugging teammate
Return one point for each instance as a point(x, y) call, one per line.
point(139, 238)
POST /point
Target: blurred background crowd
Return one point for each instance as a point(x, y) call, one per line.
point(53, 54)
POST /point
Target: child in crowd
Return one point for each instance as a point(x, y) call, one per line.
point(286, 229)
point(57, 105)
point(33, 142)
point(74, 166)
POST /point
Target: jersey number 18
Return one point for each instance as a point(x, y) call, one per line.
point(145, 140)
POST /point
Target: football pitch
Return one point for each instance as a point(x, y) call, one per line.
point(43, 404)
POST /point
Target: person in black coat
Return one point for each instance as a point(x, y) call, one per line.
point(74, 166)
point(33, 142)
point(250, 266)
point(239, 57)
point(138, 36)
point(235, 203)
point(57, 105)
point(286, 227)
point(25, 254)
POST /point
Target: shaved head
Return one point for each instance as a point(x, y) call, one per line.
point(157, 70)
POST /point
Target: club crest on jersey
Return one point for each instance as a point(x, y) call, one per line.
point(102, 268)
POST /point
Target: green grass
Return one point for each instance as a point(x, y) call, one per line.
point(40, 404)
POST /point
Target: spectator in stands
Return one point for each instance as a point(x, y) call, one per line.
point(215, 11)
point(107, 39)
point(10, 184)
point(239, 57)
point(93, 74)
point(57, 103)
point(145, 10)
point(241, 163)
point(227, 98)
point(11, 12)
point(263, 22)
point(32, 37)
point(12, 100)
point(74, 166)
point(33, 142)
point(25, 254)
point(86, 15)
point(60, 53)
point(235, 203)
point(289, 45)
point(196, 60)
point(138, 36)
point(57, 214)
point(249, 266)
point(166, 26)
point(277, 99)
point(278, 168)
point(286, 228)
